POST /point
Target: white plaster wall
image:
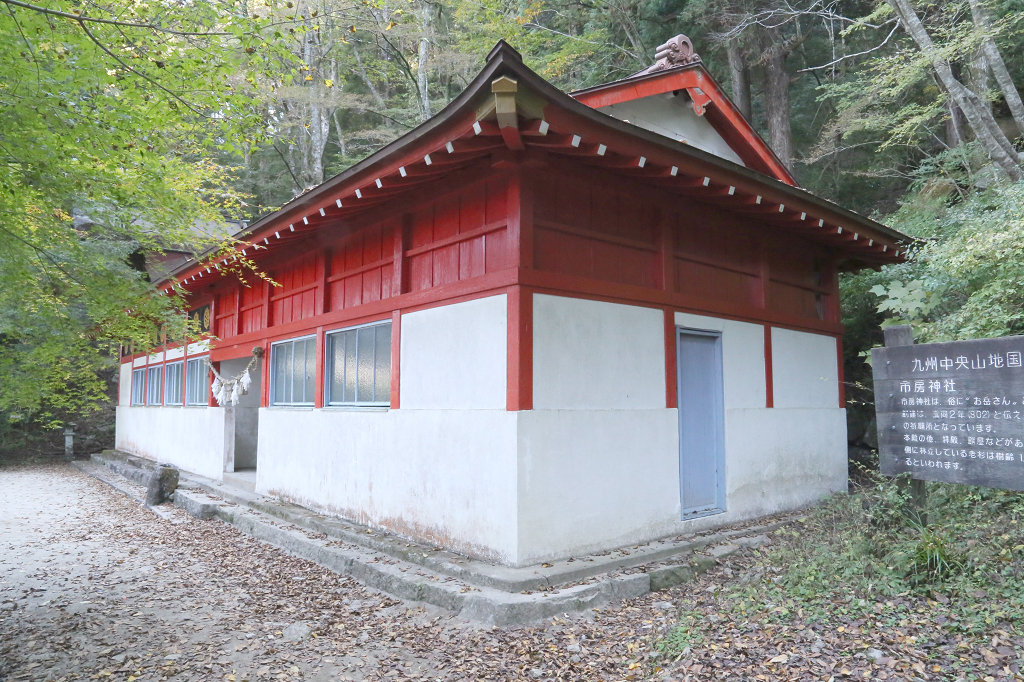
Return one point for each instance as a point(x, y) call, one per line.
point(673, 116)
point(454, 356)
point(779, 459)
point(600, 474)
point(139, 362)
point(156, 358)
point(597, 454)
point(246, 415)
point(195, 439)
point(805, 369)
point(447, 476)
point(743, 380)
point(124, 384)
point(175, 353)
point(594, 355)
point(595, 479)
point(198, 347)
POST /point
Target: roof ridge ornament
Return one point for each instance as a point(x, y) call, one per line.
point(675, 52)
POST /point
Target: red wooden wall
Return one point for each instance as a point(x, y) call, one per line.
point(606, 230)
point(455, 238)
point(587, 225)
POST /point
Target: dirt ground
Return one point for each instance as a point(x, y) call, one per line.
point(94, 586)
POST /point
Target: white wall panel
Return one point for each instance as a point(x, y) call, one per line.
point(742, 358)
point(191, 438)
point(445, 476)
point(805, 369)
point(124, 384)
point(454, 356)
point(594, 479)
point(597, 355)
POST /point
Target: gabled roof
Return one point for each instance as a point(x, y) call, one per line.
point(509, 109)
point(679, 69)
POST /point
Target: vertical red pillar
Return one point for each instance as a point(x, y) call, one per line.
point(265, 376)
point(321, 365)
point(398, 272)
point(769, 377)
point(519, 344)
point(671, 369)
point(519, 379)
point(396, 358)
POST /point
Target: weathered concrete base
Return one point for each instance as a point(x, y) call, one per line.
point(119, 483)
point(482, 592)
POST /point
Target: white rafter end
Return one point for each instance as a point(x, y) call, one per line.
point(576, 139)
point(707, 181)
point(426, 159)
point(449, 147)
point(601, 149)
point(543, 128)
point(476, 128)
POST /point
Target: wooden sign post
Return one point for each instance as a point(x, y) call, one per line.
point(951, 412)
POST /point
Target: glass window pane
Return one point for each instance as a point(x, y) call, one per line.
point(335, 368)
point(196, 382)
point(364, 379)
point(350, 367)
point(282, 355)
point(296, 367)
point(310, 372)
point(382, 366)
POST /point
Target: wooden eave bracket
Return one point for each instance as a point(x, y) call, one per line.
point(700, 98)
point(505, 111)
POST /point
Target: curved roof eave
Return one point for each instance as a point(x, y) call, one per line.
point(506, 61)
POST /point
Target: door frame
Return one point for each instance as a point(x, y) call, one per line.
point(719, 505)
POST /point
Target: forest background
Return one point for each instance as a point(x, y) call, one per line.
point(130, 127)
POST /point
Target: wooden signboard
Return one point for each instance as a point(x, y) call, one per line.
point(953, 411)
point(201, 316)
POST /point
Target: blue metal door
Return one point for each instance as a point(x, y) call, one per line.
point(701, 422)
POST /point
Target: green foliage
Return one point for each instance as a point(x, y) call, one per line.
point(687, 634)
point(862, 556)
point(966, 279)
point(911, 302)
point(110, 115)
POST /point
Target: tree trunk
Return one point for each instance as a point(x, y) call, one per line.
point(954, 124)
point(366, 80)
point(740, 73)
point(995, 62)
point(982, 123)
point(978, 78)
point(780, 135)
point(341, 136)
point(421, 65)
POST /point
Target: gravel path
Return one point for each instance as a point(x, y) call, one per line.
point(94, 586)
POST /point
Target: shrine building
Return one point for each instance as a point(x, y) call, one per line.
point(536, 326)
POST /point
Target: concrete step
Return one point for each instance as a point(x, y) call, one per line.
point(243, 479)
point(478, 590)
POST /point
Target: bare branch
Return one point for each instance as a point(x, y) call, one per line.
point(856, 54)
point(114, 22)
